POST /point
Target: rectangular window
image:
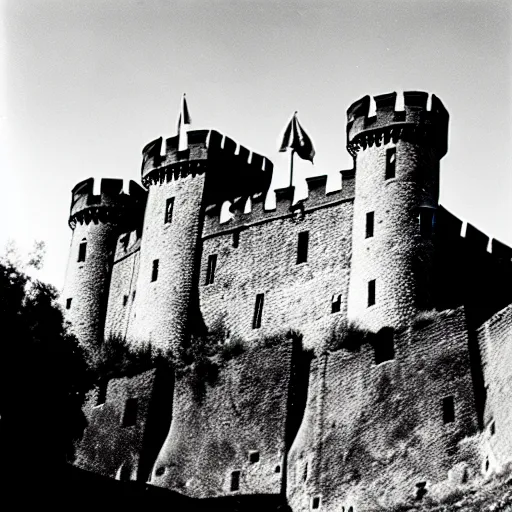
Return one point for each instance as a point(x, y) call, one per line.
point(384, 345)
point(390, 163)
point(236, 239)
point(68, 303)
point(133, 295)
point(169, 208)
point(371, 292)
point(315, 503)
point(493, 428)
point(130, 412)
point(336, 304)
point(235, 480)
point(305, 472)
point(254, 457)
point(154, 272)
point(125, 300)
point(210, 270)
point(448, 410)
point(82, 250)
point(258, 311)
point(302, 247)
point(101, 398)
point(370, 216)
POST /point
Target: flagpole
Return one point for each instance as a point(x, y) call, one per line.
point(291, 167)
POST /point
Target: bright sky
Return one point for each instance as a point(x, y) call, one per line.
point(86, 84)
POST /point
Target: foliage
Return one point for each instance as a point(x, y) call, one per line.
point(348, 336)
point(280, 337)
point(424, 318)
point(43, 375)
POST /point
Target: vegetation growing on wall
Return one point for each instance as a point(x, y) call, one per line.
point(347, 336)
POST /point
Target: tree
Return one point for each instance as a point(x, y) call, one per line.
point(43, 376)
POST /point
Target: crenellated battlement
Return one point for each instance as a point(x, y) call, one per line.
point(388, 123)
point(235, 170)
point(255, 212)
point(110, 202)
point(451, 228)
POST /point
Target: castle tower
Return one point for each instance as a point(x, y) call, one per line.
point(396, 159)
point(96, 221)
point(181, 184)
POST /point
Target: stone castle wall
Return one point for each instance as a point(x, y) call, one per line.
point(371, 431)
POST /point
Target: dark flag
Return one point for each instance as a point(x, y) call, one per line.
point(298, 140)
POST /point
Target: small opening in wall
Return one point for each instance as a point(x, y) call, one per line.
point(169, 209)
point(125, 240)
point(278, 469)
point(258, 311)
point(82, 249)
point(160, 471)
point(493, 428)
point(370, 217)
point(210, 270)
point(390, 163)
point(236, 239)
point(427, 222)
point(154, 272)
point(336, 303)
point(421, 491)
point(315, 503)
point(254, 456)
point(305, 472)
point(125, 300)
point(384, 345)
point(68, 303)
point(133, 295)
point(235, 481)
point(371, 292)
point(448, 410)
point(130, 412)
point(302, 247)
point(486, 464)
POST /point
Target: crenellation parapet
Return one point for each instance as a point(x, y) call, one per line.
point(233, 170)
point(415, 121)
point(110, 203)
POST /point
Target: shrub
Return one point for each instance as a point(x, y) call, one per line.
point(424, 318)
point(348, 336)
point(279, 338)
point(233, 348)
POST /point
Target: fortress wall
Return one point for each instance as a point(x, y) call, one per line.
point(372, 432)
point(296, 296)
point(107, 447)
point(495, 341)
point(212, 433)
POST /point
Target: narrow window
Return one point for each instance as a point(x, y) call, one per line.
point(133, 295)
point(125, 300)
point(82, 250)
point(210, 271)
point(427, 220)
point(102, 392)
point(130, 412)
point(371, 292)
point(390, 163)
point(305, 472)
point(493, 428)
point(236, 239)
point(125, 241)
point(254, 456)
point(448, 410)
point(68, 303)
point(154, 273)
point(302, 247)
point(235, 480)
point(369, 224)
point(278, 469)
point(384, 346)
point(336, 304)
point(258, 311)
point(169, 208)
point(315, 503)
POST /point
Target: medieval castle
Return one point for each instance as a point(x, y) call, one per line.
point(394, 379)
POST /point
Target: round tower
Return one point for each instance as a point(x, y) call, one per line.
point(96, 221)
point(181, 184)
point(396, 159)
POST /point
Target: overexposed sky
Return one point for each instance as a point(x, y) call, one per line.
point(86, 84)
